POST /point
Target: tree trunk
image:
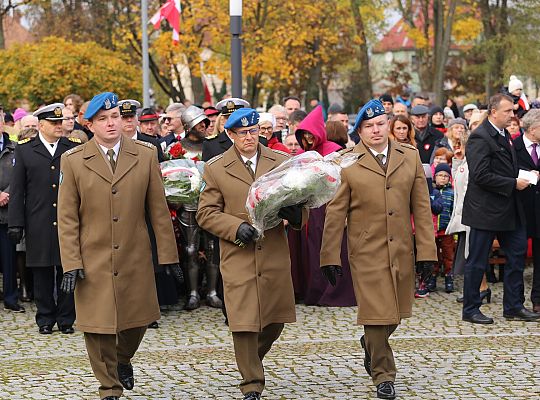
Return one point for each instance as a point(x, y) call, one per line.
point(442, 47)
point(2, 38)
point(361, 78)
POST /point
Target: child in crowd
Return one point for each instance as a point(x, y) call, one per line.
point(445, 243)
point(442, 156)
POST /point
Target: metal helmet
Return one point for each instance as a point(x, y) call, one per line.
point(192, 116)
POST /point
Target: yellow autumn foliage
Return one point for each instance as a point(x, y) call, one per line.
point(48, 70)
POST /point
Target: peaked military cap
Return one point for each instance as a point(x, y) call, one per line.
point(102, 101)
point(128, 107)
point(230, 105)
point(148, 114)
point(51, 112)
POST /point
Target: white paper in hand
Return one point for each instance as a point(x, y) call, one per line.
point(529, 176)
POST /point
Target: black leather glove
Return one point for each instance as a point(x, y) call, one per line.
point(70, 279)
point(293, 214)
point(330, 271)
point(245, 234)
point(424, 269)
point(15, 234)
point(175, 270)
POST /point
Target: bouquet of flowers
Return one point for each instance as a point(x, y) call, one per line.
point(307, 178)
point(182, 178)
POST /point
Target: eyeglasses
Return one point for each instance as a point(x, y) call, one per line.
point(266, 129)
point(252, 132)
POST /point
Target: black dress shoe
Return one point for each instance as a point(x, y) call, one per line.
point(252, 396)
point(479, 318)
point(367, 357)
point(522, 315)
point(386, 390)
point(66, 329)
point(125, 375)
point(153, 325)
point(45, 329)
point(15, 307)
point(111, 398)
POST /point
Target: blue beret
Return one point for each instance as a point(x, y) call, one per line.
point(242, 118)
point(102, 101)
point(371, 109)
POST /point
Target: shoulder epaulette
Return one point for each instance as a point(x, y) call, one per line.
point(73, 150)
point(212, 136)
point(283, 153)
point(24, 141)
point(74, 140)
point(214, 159)
point(143, 143)
point(409, 146)
point(347, 150)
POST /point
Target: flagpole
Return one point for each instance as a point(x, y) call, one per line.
point(235, 12)
point(145, 60)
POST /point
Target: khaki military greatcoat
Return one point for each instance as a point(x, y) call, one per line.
point(377, 206)
point(257, 279)
point(102, 229)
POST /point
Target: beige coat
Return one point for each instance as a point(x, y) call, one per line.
point(378, 208)
point(257, 279)
point(101, 228)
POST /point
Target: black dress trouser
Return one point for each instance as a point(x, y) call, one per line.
point(53, 305)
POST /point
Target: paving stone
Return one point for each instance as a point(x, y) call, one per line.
point(190, 357)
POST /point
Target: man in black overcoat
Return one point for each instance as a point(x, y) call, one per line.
point(492, 209)
point(33, 208)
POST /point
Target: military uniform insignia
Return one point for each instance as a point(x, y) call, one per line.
point(126, 106)
point(143, 143)
point(107, 104)
point(410, 146)
point(75, 140)
point(281, 152)
point(24, 141)
point(73, 150)
point(230, 105)
point(13, 161)
point(244, 121)
point(370, 113)
point(203, 185)
point(60, 178)
point(57, 112)
point(214, 159)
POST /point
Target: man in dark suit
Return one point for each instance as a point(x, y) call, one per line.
point(527, 151)
point(33, 207)
point(492, 208)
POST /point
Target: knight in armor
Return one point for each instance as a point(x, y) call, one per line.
point(195, 123)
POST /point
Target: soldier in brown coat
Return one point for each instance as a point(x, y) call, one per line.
point(105, 187)
point(257, 279)
point(376, 198)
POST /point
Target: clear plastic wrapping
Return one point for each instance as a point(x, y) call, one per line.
point(182, 179)
point(307, 178)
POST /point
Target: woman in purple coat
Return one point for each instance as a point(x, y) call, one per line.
point(309, 282)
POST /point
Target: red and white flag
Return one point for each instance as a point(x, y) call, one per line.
point(170, 11)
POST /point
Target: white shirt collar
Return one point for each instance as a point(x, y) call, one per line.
point(385, 152)
point(252, 159)
point(50, 149)
point(528, 144)
point(501, 132)
point(116, 149)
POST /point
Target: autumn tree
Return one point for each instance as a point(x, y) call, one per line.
point(47, 71)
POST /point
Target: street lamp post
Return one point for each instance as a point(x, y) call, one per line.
point(145, 59)
point(235, 12)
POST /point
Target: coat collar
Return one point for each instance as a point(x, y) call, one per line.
point(235, 167)
point(127, 158)
point(395, 158)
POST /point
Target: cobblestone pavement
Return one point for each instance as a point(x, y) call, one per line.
point(190, 357)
